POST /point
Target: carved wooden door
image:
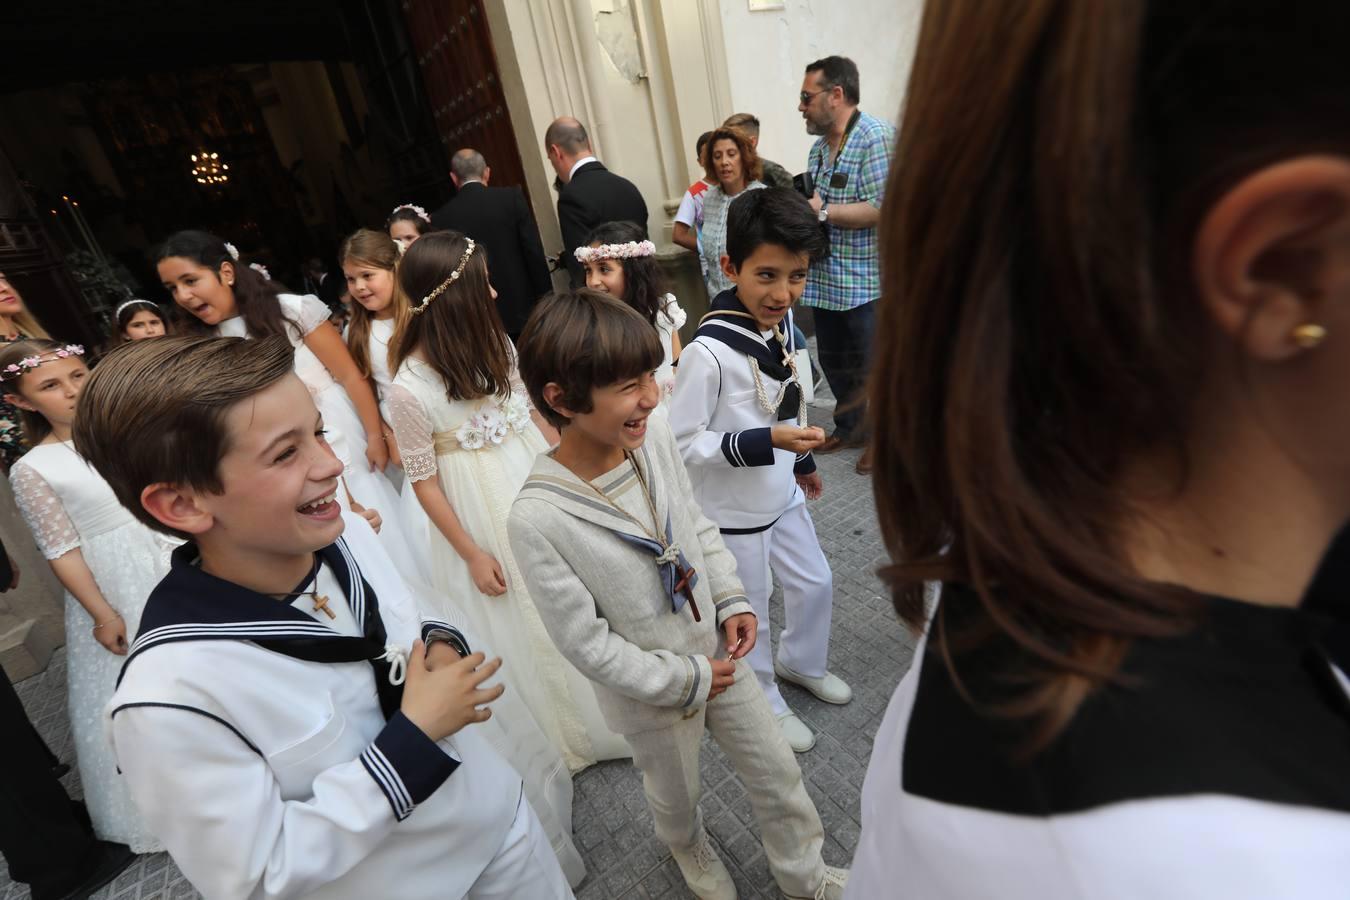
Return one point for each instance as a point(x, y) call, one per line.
point(453, 48)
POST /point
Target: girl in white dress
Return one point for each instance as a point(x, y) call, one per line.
point(620, 262)
point(106, 559)
point(469, 440)
point(203, 274)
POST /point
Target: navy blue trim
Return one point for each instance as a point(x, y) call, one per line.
point(755, 530)
point(805, 464)
point(749, 448)
point(201, 712)
point(406, 765)
point(433, 631)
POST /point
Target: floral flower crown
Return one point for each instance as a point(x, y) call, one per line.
point(261, 270)
point(232, 250)
point(444, 285)
point(421, 213)
point(14, 370)
point(630, 250)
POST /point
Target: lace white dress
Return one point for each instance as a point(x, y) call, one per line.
point(69, 506)
point(669, 320)
point(346, 434)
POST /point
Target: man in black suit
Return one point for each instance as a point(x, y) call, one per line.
point(499, 219)
point(591, 195)
point(45, 836)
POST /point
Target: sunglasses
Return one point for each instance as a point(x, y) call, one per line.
point(807, 98)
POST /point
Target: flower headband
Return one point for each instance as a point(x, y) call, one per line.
point(232, 250)
point(421, 213)
point(14, 370)
point(261, 270)
point(630, 250)
point(454, 276)
point(117, 312)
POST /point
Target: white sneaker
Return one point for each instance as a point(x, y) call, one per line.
point(831, 688)
point(831, 886)
point(704, 872)
point(799, 737)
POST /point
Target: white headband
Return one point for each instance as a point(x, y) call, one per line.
point(421, 213)
point(117, 312)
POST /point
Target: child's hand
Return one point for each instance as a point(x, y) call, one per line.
point(741, 631)
point(370, 515)
point(377, 454)
point(391, 445)
point(796, 440)
point(812, 485)
point(487, 574)
point(440, 655)
point(443, 701)
point(723, 672)
point(112, 636)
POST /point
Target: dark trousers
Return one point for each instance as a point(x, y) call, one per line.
point(45, 836)
point(844, 350)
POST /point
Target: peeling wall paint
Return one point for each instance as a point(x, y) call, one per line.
point(618, 38)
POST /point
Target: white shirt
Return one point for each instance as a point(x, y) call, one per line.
point(578, 164)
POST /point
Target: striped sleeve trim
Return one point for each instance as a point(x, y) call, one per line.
point(691, 685)
point(728, 599)
point(406, 765)
point(434, 630)
point(753, 447)
point(805, 464)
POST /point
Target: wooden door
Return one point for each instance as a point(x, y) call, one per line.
point(453, 49)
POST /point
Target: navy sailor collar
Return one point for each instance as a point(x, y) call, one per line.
point(726, 322)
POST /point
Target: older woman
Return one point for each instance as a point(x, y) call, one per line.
point(730, 160)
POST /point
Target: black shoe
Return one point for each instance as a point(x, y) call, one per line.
point(60, 770)
point(109, 861)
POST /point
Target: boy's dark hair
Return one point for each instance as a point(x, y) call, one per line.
point(582, 340)
point(838, 71)
point(644, 287)
point(701, 143)
point(153, 411)
point(774, 216)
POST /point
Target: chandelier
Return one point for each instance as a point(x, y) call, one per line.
point(208, 169)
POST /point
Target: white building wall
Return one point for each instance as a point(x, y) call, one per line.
point(768, 49)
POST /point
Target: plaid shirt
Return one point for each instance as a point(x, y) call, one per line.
point(850, 276)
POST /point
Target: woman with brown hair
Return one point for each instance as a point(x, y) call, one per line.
point(1114, 424)
point(730, 160)
point(16, 323)
point(469, 438)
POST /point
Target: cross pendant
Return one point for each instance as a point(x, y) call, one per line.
point(683, 586)
point(321, 605)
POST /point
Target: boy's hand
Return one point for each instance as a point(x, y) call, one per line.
point(796, 440)
point(444, 701)
point(487, 574)
point(370, 515)
point(741, 631)
point(724, 675)
point(812, 485)
point(440, 655)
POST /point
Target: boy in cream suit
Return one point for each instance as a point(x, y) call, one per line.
point(639, 592)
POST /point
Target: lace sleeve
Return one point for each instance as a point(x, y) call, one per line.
point(412, 430)
point(43, 511)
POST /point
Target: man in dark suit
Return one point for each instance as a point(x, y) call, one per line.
point(591, 195)
point(500, 220)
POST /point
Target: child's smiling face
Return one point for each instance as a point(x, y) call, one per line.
point(768, 282)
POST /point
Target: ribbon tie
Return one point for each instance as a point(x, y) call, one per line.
point(397, 658)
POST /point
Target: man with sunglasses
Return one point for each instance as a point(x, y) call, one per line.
point(849, 163)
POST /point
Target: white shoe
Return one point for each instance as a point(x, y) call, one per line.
point(704, 872)
point(831, 886)
point(799, 737)
point(831, 688)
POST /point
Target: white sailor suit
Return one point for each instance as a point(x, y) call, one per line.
point(265, 746)
point(748, 488)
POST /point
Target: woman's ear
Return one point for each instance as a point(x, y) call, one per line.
point(1273, 255)
point(553, 396)
point(176, 508)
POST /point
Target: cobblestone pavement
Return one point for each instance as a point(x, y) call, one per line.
point(613, 829)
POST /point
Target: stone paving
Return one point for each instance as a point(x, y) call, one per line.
point(613, 829)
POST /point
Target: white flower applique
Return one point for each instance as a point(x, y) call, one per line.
point(489, 427)
point(516, 411)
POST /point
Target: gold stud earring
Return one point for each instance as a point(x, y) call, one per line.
point(1308, 335)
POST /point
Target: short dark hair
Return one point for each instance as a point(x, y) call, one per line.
point(744, 121)
point(582, 340)
point(701, 143)
point(838, 71)
point(468, 163)
point(153, 411)
point(779, 216)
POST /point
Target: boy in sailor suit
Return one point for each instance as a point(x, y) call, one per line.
point(279, 724)
point(638, 591)
point(738, 415)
